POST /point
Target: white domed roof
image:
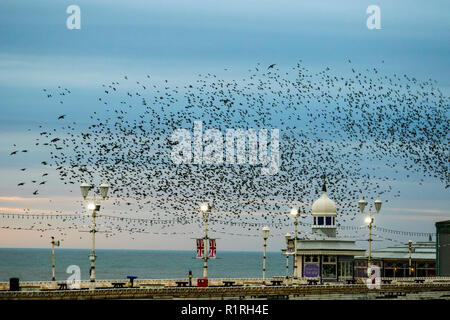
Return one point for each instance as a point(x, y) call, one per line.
point(324, 205)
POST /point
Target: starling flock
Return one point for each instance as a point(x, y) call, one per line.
point(357, 131)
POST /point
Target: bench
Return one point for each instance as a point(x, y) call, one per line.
point(276, 282)
point(228, 283)
point(181, 283)
point(350, 281)
point(62, 286)
point(386, 281)
point(312, 281)
point(118, 284)
point(419, 280)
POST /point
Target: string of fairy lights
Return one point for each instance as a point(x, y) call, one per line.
point(145, 222)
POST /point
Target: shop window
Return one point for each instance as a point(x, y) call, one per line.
point(329, 271)
point(346, 269)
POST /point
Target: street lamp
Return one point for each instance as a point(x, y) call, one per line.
point(288, 238)
point(411, 250)
point(369, 221)
point(265, 234)
point(93, 206)
point(104, 190)
point(294, 213)
point(205, 208)
point(84, 187)
point(54, 243)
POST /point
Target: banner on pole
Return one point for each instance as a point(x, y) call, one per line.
point(200, 248)
point(212, 249)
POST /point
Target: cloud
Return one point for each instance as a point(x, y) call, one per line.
point(410, 217)
point(22, 199)
point(21, 210)
point(423, 211)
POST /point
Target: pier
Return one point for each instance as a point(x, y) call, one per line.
point(429, 288)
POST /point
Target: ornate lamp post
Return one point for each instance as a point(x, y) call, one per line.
point(294, 213)
point(288, 238)
point(369, 221)
point(205, 208)
point(93, 206)
point(54, 243)
point(411, 250)
point(265, 234)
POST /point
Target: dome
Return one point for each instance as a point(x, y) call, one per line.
point(324, 206)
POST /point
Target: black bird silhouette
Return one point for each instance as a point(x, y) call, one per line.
point(348, 125)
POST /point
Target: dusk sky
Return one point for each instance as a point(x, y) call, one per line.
point(177, 40)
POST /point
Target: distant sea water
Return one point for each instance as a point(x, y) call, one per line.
point(35, 264)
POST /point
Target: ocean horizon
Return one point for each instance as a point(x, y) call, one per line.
point(34, 264)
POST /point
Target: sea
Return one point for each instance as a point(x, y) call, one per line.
point(35, 264)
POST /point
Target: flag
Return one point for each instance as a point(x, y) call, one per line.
point(212, 249)
point(200, 248)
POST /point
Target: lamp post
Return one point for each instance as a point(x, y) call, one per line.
point(265, 234)
point(205, 208)
point(288, 238)
point(93, 206)
point(411, 250)
point(369, 221)
point(294, 213)
point(54, 243)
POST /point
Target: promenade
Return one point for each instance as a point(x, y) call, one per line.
point(432, 288)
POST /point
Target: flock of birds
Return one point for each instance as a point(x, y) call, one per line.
point(357, 131)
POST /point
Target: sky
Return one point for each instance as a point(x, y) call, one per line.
point(176, 40)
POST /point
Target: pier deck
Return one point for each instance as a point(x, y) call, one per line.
point(407, 290)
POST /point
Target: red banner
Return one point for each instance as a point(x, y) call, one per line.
point(200, 248)
point(212, 248)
